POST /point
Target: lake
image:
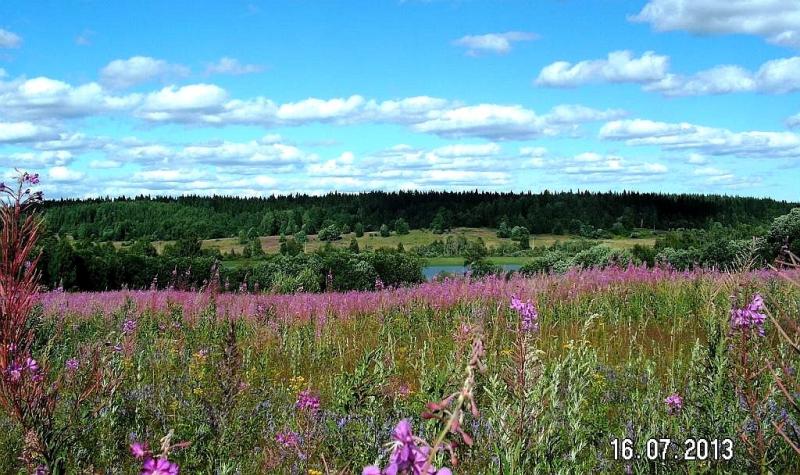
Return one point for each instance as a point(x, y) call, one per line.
point(432, 271)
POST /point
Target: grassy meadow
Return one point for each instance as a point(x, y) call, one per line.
point(416, 237)
point(315, 383)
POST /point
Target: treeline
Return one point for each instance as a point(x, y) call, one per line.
point(95, 267)
point(585, 213)
point(683, 249)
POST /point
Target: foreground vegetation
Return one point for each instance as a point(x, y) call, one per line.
point(305, 383)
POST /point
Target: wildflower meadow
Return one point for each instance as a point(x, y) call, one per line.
point(622, 369)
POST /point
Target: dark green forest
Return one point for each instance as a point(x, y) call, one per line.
point(161, 218)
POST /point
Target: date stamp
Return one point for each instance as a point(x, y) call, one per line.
point(668, 449)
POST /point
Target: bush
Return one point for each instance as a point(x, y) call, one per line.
point(785, 230)
point(401, 226)
point(385, 231)
point(329, 233)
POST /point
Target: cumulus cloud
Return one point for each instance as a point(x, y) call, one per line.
point(509, 122)
point(9, 39)
point(777, 76)
point(124, 73)
point(618, 67)
point(707, 140)
point(497, 43)
point(776, 20)
point(232, 66)
point(64, 174)
point(14, 132)
point(26, 160)
point(50, 99)
point(253, 156)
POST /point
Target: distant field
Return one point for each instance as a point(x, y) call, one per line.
point(416, 237)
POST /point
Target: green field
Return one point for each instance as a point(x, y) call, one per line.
point(417, 237)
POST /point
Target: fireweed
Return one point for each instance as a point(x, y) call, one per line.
point(29, 390)
point(157, 464)
point(413, 455)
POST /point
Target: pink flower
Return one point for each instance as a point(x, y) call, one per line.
point(674, 403)
point(138, 450)
point(527, 312)
point(159, 466)
point(750, 317)
point(72, 364)
point(409, 455)
point(306, 401)
point(31, 365)
point(288, 439)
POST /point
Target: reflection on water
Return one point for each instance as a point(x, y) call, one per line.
point(432, 271)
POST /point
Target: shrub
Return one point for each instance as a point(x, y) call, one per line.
point(329, 233)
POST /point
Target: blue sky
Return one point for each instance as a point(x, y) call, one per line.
point(257, 97)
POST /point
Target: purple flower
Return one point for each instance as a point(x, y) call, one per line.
point(751, 316)
point(306, 401)
point(409, 455)
point(288, 439)
point(674, 403)
point(138, 450)
point(129, 326)
point(527, 312)
point(31, 365)
point(14, 372)
point(72, 364)
point(159, 466)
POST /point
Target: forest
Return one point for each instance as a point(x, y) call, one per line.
point(580, 213)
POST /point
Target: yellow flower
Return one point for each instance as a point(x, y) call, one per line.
point(311, 471)
point(197, 391)
point(505, 352)
point(297, 383)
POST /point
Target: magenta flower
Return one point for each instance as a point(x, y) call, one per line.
point(138, 450)
point(674, 403)
point(31, 365)
point(288, 439)
point(72, 364)
point(159, 466)
point(751, 316)
point(129, 326)
point(14, 372)
point(529, 317)
point(306, 401)
point(409, 454)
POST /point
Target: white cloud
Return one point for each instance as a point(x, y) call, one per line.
point(37, 159)
point(708, 140)
point(64, 174)
point(9, 39)
point(778, 76)
point(776, 20)
point(508, 122)
point(620, 66)
point(232, 66)
point(50, 99)
point(498, 43)
point(177, 104)
point(12, 132)
point(124, 73)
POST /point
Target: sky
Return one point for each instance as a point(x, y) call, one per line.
point(249, 97)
